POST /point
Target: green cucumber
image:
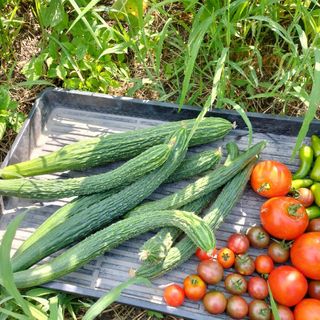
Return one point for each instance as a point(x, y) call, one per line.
point(215, 215)
point(110, 148)
point(202, 186)
point(112, 236)
point(66, 229)
point(49, 189)
point(157, 247)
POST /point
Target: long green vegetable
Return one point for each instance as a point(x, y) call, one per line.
point(66, 229)
point(115, 147)
point(220, 209)
point(112, 236)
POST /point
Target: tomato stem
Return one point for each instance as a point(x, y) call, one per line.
point(293, 210)
point(264, 186)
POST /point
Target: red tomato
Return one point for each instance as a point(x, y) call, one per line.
point(307, 309)
point(284, 312)
point(194, 287)
point(288, 285)
point(226, 257)
point(238, 243)
point(305, 254)
point(202, 255)
point(173, 295)
point(258, 288)
point(215, 302)
point(263, 264)
point(305, 196)
point(284, 217)
point(237, 307)
point(271, 179)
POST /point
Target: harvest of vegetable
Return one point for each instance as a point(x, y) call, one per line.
point(281, 282)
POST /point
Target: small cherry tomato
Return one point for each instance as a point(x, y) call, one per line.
point(279, 252)
point(202, 255)
point(258, 288)
point(271, 179)
point(235, 284)
point(263, 264)
point(314, 289)
point(173, 295)
point(307, 309)
point(237, 307)
point(226, 257)
point(304, 196)
point(288, 285)
point(305, 254)
point(259, 310)
point(238, 243)
point(194, 287)
point(215, 302)
point(258, 237)
point(244, 264)
point(210, 271)
point(314, 225)
point(284, 313)
point(284, 217)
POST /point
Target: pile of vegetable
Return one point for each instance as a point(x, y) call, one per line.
point(288, 269)
point(108, 209)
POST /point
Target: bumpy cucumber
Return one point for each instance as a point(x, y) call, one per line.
point(109, 148)
point(66, 229)
point(112, 236)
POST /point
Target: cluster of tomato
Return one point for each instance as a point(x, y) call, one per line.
point(283, 218)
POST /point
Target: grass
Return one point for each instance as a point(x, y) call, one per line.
point(265, 55)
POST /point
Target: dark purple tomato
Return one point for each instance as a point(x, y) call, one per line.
point(258, 237)
point(235, 284)
point(210, 271)
point(259, 310)
point(244, 264)
point(258, 288)
point(314, 225)
point(314, 289)
point(279, 252)
point(215, 302)
point(237, 307)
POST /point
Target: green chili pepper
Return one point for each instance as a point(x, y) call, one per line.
point(315, 144)
point(315, 188)
point(306, 159)
point(315, 172)
point(301, 183)
point(313, 212)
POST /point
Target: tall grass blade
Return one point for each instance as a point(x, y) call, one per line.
point(274, 308)
point(314, 103)
point(112, 296)
point(14, 315)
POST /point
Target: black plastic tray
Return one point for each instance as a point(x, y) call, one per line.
point(60, 117)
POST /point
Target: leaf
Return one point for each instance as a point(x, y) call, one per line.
point(112, 296)
point(314, 103)
point(4, 98)
point(243, 115)
point(274, 308)
point(3, 126)
point(61, 72)
point(53, 14)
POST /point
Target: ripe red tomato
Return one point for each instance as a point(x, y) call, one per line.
point(284, 312)
point(258, 288)
point(210, 271)
point(215, 302)
point(271, 179)
point(284, 217)
point(279, 252)
point(288, 285)
point(173, 295)
point(226, 257)
point(238, 243)
point(264, 264)
point(307, 309)
point(305, 254)
point(194, 287)
point(314, 289)
point(203, 255)
point(305, 196)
